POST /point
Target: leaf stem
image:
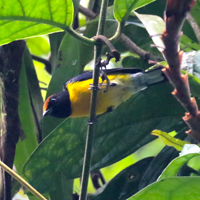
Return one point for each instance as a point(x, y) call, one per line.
point(118, 33)
point(92, 120)
point(51, 23)
point(22, 181)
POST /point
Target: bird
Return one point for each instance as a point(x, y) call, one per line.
point(115, 87)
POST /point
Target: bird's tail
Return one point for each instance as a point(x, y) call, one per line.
point(154, 76)
point(142, 80)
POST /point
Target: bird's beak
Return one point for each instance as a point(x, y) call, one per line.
point(45, 113)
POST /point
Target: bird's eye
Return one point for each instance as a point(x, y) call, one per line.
point(52, 100)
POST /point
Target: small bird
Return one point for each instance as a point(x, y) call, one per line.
point(115, 86)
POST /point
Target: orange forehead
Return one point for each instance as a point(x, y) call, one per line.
point(46, 103)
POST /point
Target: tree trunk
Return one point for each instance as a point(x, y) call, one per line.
point(10, 65)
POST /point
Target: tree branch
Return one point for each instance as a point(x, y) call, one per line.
point(92, 120)
point(87, 12)
point(145, 55)
point(175, 16)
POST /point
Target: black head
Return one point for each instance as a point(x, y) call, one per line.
point(58, 105)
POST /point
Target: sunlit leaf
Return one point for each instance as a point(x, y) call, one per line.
point(174, 167)
point(155, 27)
point(169, 140)
point(38, 46)
point(184, 188)
point(123, 8)
point(22, 19)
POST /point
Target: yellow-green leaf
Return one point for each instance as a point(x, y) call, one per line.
point(169, 140)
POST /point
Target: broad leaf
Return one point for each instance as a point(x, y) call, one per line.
point(118, 134)
point(184, 188)
point(22, 19)
point(174, 167)
point(122, 9)
point(155, 27)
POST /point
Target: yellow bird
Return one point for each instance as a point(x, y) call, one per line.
point(74, 100)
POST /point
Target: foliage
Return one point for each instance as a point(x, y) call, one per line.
point(50, 156)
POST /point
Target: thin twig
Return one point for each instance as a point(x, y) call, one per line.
point(47, 64)
point(92, 120)
point(22, 181)
point(87, 12)
point(145, 55)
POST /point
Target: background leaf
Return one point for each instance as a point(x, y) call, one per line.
point(28, 143)
point(155, 27)
point(129, 180)
point(123, 8)
point(116, 136)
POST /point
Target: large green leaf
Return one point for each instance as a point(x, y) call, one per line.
point(21, 19)
point(184, 188)
point(118, 134)
point(122, 9)
point(174, 167)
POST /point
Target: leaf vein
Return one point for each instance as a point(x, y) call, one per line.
point(22, 8)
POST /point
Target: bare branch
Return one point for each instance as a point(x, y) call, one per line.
point(145, 55)
point(87, 12)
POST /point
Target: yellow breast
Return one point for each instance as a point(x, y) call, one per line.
point(80, 94)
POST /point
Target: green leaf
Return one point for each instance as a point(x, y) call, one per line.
point(26, 146)
point(155, 27)
point(130, 61)
point(169, 140)
point(188, 45)
point(183, 188)
point(22, 19)
point(38, 46)
point(125, 184)
point(122, 9)
point(55, 40)
point(34, 89)
point(194, 84)
point(118, 134)
point(175, 165)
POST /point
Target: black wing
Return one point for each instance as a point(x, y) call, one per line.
point(88, 74)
